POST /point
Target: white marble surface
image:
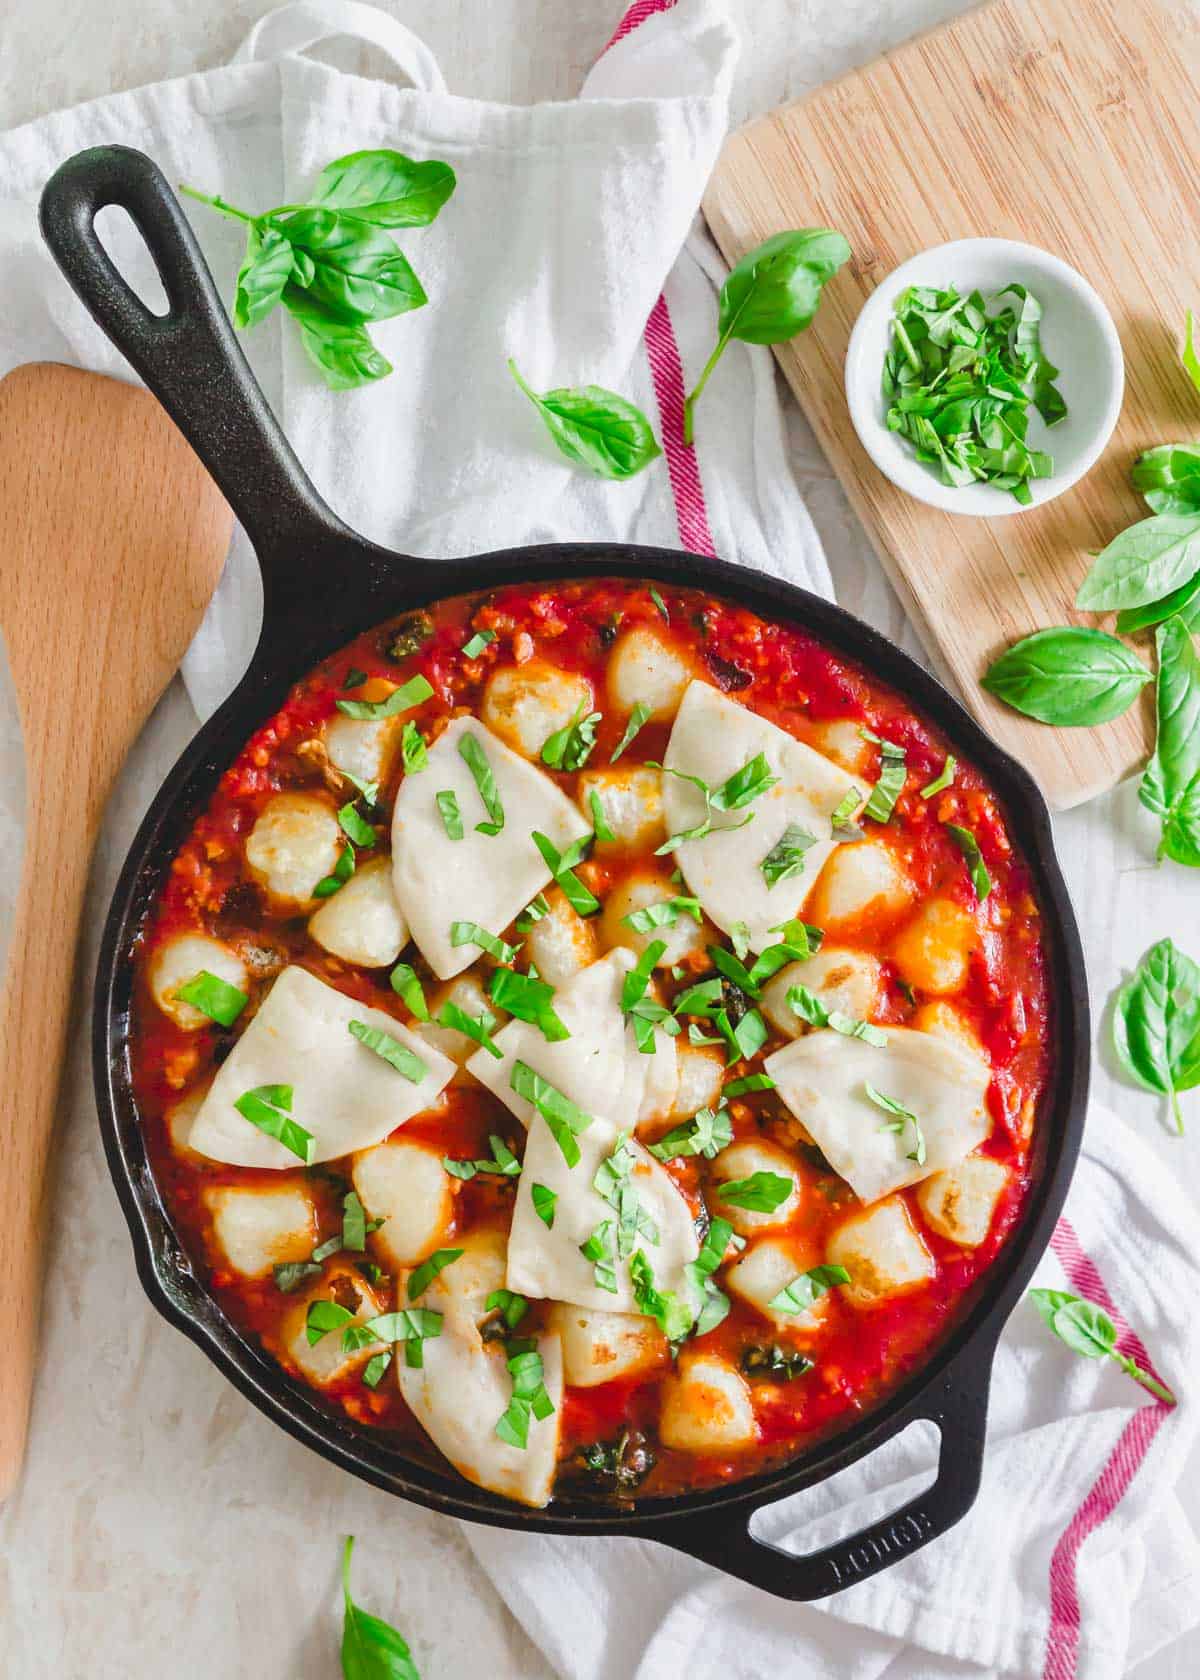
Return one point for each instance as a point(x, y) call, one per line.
point(160, 1516)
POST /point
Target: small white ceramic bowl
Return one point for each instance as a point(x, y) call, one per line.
point(1078, 336)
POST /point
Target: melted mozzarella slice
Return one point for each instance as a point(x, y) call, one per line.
point(464, 1386)
point(599, 1066)
point(483, 878)
point(823, 1079)
point(344, 1094)
point(548, 1263)
point(712, 738)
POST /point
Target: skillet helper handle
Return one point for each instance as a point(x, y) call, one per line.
point(959, 1408)
point(189, 357)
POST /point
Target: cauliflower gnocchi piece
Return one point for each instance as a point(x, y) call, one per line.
point(842, 740)
point(843, 979)
point(701, 1075)
point(561, 944)
point(743, 1160)
point(365, 747)
point(943, 1020)
point(405, 1185)
point(525, 704)
point(706, 1407)
point(599, 1347)
point(683, 938)
point(863, 878)
point(642, 667)
point(467, 992)
point(295, 843)
point(178, 960)
point(257, 1229)
point(362, 923)
point(934, 950)
point(882, 1252)
point(632, 801)
point(769, 1266)
point(959, 1204)
point(327, 1361)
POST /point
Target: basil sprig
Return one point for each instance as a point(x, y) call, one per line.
point(808, 1288)
point(1072, 676)
point(595, 428)
point(269, 1108)
point(371, 1648)
point(1170, 786)
point(213, 997)
point(1156, 1024)
point(1143, 564)
point(771, 295)
point(332, 264)
point(1088, 1330)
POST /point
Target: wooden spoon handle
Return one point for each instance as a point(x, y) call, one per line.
point(35, 1010)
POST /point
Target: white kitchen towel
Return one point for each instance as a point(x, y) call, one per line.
point(1075, 1563)
point(562, 247)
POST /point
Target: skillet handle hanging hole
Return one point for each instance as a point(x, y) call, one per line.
point(188, 355)
point(958, 1408)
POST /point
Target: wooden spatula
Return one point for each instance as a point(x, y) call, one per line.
point(112, 538)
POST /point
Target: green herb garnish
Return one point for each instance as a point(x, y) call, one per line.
point(529, 999)
point(475, 759)
point(786, 857)
point(762, 1192)
point(356, 827)
point(904, 1117)
point(1156, 1024)
point(475, 646)
point(411, 693)
point(413, 751)
point(390, 1050)
point(213, 997)
point(637, 719)
point(1072, 677)
point(477, 1027)
point(706, 1133)
point(544, 1200)
point(892, 776)
point(1088, 1330)
point(268, 1107)
point(447, 803)
point(673, 1316)
point(570, 748)
point(1170, 786)
point(408, 987)
point(595, 428)
point(420, 1279)
point(599, 820)
point(942, 780)
point(562, 866)
point(969, 847)
point(799, 1295)
point(470, 933)
point(663, 914)
point(564, 1118)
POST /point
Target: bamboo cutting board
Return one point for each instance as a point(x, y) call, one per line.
point(1070, 124)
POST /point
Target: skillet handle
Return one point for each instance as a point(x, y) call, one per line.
point(959, 1408)
point(188, 357)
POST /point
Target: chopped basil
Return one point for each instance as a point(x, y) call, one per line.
point(356, 827)
point(413, 750)
point(802, 1001)
point(544, 1200)
point(395, 1054)
point(599, 1250)
point(503, 1163)
point(477, 1027)
point(637, 718)
point(213, 997)
point(942, 780)
point(599, 820)
point(778, 1364)
point(342, 871)
point(368, 790)
point(268, 1107)
point(786, 857)
point(570, 748)
point(511, 1306)
point(562, 866)
point(969, 847)
point(447, 804)
point(475, 759)
point(752, 1082)
point(842, 825)
point(407, 986)
point(893, 773)
point(614, 1183)
point(740, 789)
point(533, 912)
point(745, 1037)
point(354, 1224)
point(739, 938)
point(849, 1027)
point(529, 999)
point(644, 1013)
point(481, 639)
point(321, 1318)
point(706, 1133)
point(529, 1397)
point(673, 1316)
point(762, 1192)
point(714, 1303)
point(423, 1276)
point(376, 1368)
point(291, 1274)
point(664, 914)
point(410, 1325)
point(799, 1295)
point(470, 933)
point(562, 1116)
point(354, 678)
point(659, 603)
point(411, 693)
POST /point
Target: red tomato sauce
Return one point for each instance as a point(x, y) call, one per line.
point(794, 681)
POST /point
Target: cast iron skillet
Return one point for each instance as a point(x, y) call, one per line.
point(323, 585)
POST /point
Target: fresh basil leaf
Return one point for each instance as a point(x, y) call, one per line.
point(1072, 676)
point(570, 748)
point(385, 188)
point(213, 997)
point(356, 827)
point(477, 1027)
point(476, 644)
point(1182, 603)
point(544, 1201)
point(672, 1315)
point(1156, 1024)
point(529, 1397)
point(579, 897)
point(358, 272)
point(267, 1107)
point(637, 718)
point(447, 803)
point(739, 937)
point(377, 1368)
point(390, 1050)
point(841, 819)
point(663, 914)
point(637, 981)
point(420, 1279)
point(774, 1363)
point(354, 1224)
point(745, 785)
point(533, 913)
point(762, 1192)
point(905, 1118)
point(562, 1116)
point(413, 752)
point(321, 1318)
point(1191, 362)
point(892, 775)
point(341, 351)
point(595, 428)
point(1143, 563)
point(849, 1027)
point(411, 693)
point(511, 1306)
point(266, 269)
point(786, 857)
point(342, 871)
point(407, 986)
point(476, 761)
point(660, 604)
point(706, 1133)
point(969, 847)
point(371, 1648)
point(1087, 1329)
point(529, 999)
point(289, 1275)
point(470, 933)
point(772, 294)
point(1168, 478)
point(600, 1251)
point(599, 820)
point(804, 1291)
point(944, 777)
point(408, 1324)
point(1170, 786)
point(752, 1082)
